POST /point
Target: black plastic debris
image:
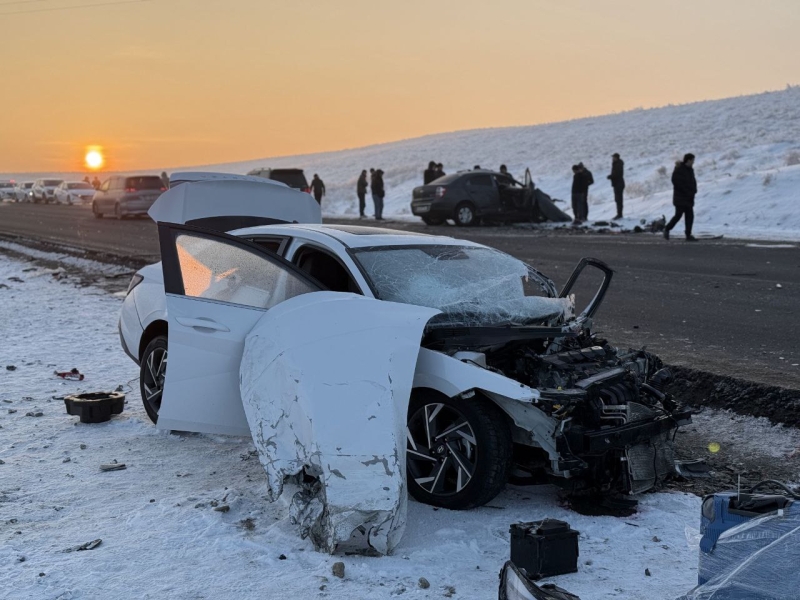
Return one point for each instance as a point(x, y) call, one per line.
point(516, 585)
point(95, 407)
point(544, 548)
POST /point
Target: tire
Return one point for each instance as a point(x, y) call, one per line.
point(433, 221)
point(152, 372)
point(117, 212)
point(464, 215)
point(473, 464)
point(97, 215)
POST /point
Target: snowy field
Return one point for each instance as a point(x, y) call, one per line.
point(161, 535)
point(748, 163)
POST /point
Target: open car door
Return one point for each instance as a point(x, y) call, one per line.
point(227, 204)
point(217, 287)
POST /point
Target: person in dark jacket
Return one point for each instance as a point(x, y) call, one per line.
point(429, 174)
point(439, 171)
point(96, 183)
point(378, 193)
point(317, 188)
point(684, 187)
point(581, 180)
point(165, 179)
point(361, 192)
point(617, 178)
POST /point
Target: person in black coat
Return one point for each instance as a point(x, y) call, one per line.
point(378, 193)
point(429, 174)
point(317, 188)
point(581, 180)
point(684, 187)
point(439, 171)
point(361, 192)
point(617, 178)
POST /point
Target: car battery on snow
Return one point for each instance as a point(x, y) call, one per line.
point(544, 548)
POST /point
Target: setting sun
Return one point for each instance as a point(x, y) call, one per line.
point(94, 159)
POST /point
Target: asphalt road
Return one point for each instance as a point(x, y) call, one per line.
point(727, 306)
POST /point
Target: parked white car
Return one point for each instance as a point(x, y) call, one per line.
point(44, 190)
point(365, 362)
point(24, 191)
point(8, 190)
point(74, 192)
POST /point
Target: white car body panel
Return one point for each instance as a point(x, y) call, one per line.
point(201, 392)
point(340, 414)
point(207, 199)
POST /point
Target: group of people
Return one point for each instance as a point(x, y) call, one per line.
point(95, 183)
point(683, 182)
point(375, 184)
point(433, 172)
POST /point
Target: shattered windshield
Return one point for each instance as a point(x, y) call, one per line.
point(471, 286)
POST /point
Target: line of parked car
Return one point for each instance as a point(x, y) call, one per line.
point(121, 196)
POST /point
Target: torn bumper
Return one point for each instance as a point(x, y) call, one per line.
point(325, 382)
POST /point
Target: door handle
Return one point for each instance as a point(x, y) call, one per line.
point(201, 324)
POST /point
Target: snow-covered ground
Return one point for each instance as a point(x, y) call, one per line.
point(161, 535)
point(748, 162)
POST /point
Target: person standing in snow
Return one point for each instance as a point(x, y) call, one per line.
point(429, 174)
point(318, 188)
point(378, 193)
point(96, 183)
point(617, 178)
point(361, 192)
point(684, 187)
point(165, 179)
point(581, 180)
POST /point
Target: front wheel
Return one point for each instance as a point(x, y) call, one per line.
point(432, 220)
point(97, 214)
point(459, 451)
point(152, 373)
point(118, 211)
point(465, 215)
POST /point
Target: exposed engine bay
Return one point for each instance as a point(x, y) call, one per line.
point(612, 422)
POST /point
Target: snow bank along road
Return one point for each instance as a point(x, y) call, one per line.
point(724, 306)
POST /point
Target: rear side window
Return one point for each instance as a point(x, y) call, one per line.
point(52, 182)
point(147, 182)
point(218, 271)
point(294, 178)
point(481, 180)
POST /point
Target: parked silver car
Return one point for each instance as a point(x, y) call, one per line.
point(127, 196)
point(44, 190)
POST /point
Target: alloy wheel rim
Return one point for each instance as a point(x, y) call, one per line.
point(155, 372)
point(442, 452)
point(465, 215)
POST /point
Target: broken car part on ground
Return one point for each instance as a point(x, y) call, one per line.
point(300, 334)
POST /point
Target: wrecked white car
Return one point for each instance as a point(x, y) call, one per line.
point(367, 361)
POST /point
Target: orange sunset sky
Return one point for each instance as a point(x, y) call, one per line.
point(164, 83)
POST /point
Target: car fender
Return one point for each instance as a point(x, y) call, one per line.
point(453, 377)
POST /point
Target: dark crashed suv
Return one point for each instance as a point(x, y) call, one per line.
point(470, 197)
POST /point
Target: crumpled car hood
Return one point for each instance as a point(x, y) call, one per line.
point(325, 382)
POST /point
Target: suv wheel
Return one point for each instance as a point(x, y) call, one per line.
point(432, 220)
point(152, 372)
point(95, 212)
point(465, 214)
point(117, 211)
point(459, 450)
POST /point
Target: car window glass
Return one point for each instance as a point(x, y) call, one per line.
point(481, 180)
point(217, 270)
point(105, 186)
point(326, 269)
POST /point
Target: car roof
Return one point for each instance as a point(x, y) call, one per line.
point(357, 236)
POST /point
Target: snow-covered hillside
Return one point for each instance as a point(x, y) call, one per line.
point(748, 162)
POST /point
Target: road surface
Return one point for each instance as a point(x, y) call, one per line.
point(727, 306)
